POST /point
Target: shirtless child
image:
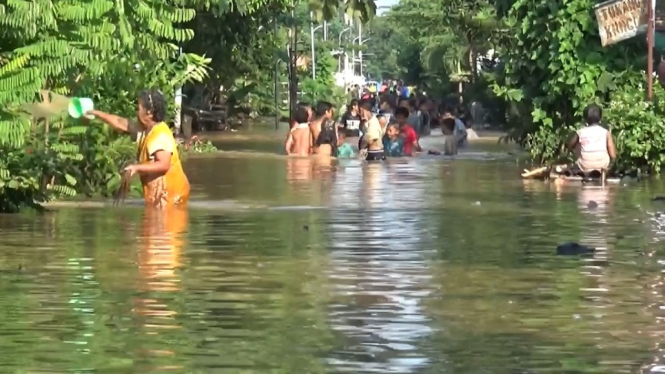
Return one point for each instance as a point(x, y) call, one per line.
point(323, 130)
point(299, 141)
point(315, 124)
point(292, 122)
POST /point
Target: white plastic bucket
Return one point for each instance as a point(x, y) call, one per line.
point(79, 106)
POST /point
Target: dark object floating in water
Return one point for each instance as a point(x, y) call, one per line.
point(659, 198)
point(574, 249)
point(592, 205)
point(306, 228)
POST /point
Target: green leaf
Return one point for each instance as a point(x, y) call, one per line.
point(70, 179)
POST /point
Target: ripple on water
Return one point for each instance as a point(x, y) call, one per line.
point(288, 266)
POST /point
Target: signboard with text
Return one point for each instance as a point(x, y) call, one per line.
point(621, 19)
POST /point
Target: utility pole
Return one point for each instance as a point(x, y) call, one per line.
point(276, 73)
point(650, 45)
point(293, 58)
point(311, 36)
point(360, 52)
point(177, 120)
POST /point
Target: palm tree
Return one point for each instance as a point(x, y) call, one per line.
point(361, 10)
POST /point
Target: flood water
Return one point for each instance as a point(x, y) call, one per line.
point(430, 265)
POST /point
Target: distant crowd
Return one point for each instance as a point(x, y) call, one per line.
point(388, 123)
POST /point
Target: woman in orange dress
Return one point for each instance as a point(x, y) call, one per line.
point(164, 181)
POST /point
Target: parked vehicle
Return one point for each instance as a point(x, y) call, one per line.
point(213, 118)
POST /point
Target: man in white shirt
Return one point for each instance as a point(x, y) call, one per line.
point(373, 135)
point(593, 143)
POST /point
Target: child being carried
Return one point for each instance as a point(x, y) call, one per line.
point(393, 142)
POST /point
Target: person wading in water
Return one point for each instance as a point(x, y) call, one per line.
point(299, 141)
point(324, 130)
point(164, 181)
point(373, 137)
point(351, 119)
point(310, 114)
point(593, 143)
point(411, 144)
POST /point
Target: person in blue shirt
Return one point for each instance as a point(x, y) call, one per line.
point(344, 149)
point(393, 143)
point(405, 92)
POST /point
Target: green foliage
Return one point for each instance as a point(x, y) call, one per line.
point(438, 42)
point(638, 128)
point(248, 48)
point(196, 146)
point(62, 162)
point(84, 49)
point(242, 44)
point(553, 66)
point(109, 50)
point(323, 87)
point(362, 10)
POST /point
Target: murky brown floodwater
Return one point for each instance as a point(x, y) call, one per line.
point(291, 266)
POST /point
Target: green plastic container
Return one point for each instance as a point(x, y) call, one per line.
point(79, 106)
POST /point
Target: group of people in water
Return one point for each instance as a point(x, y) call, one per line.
point(384, 130)
point(388, 128)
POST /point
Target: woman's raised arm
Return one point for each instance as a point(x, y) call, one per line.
point(117, 122)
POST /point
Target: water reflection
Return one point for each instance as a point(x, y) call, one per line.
point(594, 203)
point(379, 272)
point(655, 289)
point(299, 169)
point(416, 265)
point(160, 244)
point(159, 252)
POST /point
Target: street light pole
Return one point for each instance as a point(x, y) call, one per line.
point(360, 54)
point(360, 41)
point(177, 121)
point(311, 35)
point(312, 29)
point(339, 45)
point(650, 43)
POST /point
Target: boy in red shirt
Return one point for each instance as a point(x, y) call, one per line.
point(411, 144)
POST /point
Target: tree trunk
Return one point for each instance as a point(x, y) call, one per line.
point(46, 101)
point(460, 83)
point(472, 64)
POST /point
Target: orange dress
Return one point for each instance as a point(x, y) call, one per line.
point(172, 188)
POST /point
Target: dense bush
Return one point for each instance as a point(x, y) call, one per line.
point(553, 65)
point(323, 87)
point(79, 49)
point(638, 128)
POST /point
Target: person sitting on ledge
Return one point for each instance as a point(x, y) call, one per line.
point(593, 144)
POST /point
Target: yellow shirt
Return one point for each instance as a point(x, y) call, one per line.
point(171, 188)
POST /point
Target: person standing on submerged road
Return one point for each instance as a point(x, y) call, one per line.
point(299, 142)
point(373, 137)
point(164, 181)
